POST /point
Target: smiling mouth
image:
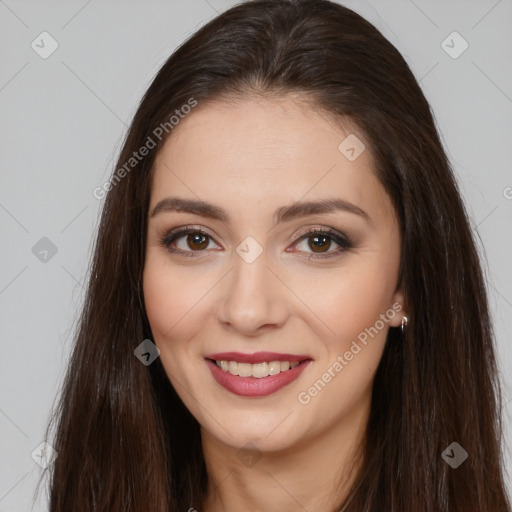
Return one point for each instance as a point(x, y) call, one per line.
point(257, 370)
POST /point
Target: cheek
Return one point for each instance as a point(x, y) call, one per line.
point(350, 298)
point(172, 306)
point(351, 306)
point(169, 296)
point(160, 300)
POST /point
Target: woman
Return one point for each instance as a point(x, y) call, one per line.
point(286, 309)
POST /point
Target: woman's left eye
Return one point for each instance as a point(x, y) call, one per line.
point(319, 241)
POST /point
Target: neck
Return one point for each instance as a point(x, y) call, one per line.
point(313, 474)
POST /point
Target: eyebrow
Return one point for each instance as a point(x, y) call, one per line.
point(282, 214)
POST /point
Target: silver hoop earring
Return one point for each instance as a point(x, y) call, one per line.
point(404, 322)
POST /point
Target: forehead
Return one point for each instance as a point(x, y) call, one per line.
point(266, 152)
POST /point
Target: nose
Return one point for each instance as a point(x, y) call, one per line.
point(253, 300)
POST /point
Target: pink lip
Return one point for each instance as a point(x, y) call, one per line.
point(252, 386)
point(256, 357)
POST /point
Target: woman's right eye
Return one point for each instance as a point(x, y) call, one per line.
point(192, 240)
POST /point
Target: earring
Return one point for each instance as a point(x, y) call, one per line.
point(404, 322)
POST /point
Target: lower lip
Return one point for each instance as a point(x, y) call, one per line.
point(252, 386)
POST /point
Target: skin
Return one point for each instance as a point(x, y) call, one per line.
point(251, 157)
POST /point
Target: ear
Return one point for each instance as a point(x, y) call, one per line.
point(399, 308)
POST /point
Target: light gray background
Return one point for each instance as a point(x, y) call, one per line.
point(64, 117)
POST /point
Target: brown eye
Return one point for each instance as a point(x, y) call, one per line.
point(197, 241)
point(319, 243)
point(186, 241)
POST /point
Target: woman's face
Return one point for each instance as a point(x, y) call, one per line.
point(251, 276)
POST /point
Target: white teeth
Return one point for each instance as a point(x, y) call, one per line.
point(275, 367)
point(233, 367)
point(258, 370)
point(244, 369)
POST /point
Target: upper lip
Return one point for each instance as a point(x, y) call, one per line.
point(256, 357)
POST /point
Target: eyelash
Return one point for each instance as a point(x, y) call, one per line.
point(342, 240)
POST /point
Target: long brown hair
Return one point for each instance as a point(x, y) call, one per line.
point(124, 439)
